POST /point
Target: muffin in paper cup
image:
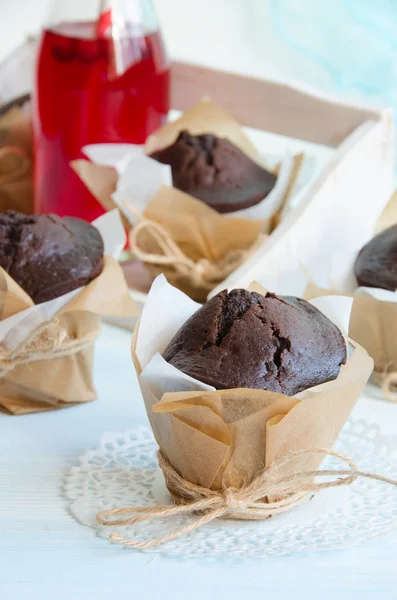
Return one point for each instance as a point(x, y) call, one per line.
point(46, 350)
point(223, 438)
point(172, 231)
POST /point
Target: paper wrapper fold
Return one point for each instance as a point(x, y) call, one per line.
point(219, 439)
point(212, 245)
point(66, 380)
point(49, 384)
point(215, 244)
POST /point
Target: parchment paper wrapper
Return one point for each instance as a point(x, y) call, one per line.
point(207, 117)
point(140, 177)
point(200, 232)
point(16, 174)
point(224, 438)
point(59, 382)
point(204, 236)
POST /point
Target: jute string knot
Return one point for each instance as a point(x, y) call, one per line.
point(14, 164)
point(201, 274)
point(48, 341)
point(233, 502)
point(268, 494)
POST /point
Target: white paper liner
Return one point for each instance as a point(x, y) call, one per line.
point(139, 182)
point(165, 312)
point(112, 155)
point(140, 177)
point(16, 328)
point(113, 233)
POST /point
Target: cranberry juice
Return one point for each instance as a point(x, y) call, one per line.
point(91, 90)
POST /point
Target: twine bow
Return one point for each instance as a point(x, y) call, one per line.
point(48, 341)
point(201, 274)
point(248, 502)
point(14, 164)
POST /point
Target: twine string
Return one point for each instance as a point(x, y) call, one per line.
point(203, 273)
point(388, 381)
point(389, 386)
point(248, 502)
point(48, 341)
point(16, 168)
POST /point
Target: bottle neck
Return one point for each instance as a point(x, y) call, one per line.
point(113, 17)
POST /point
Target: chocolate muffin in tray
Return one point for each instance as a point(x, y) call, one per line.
point(216, 172)
point(47, 255)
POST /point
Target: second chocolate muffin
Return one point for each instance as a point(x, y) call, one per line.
point(376, 264)
point(216, 172)
point(242, 339)
point(49, 256)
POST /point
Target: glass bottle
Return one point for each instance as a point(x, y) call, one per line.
point(102, 77)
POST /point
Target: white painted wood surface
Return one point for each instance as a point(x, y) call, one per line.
point(46, 555)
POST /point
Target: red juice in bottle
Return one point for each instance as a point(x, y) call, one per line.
point(90, 89)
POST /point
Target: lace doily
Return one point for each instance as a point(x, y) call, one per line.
point(123, 471)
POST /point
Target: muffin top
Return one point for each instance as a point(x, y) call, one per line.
point(216, 172)
point(49, 256)
point(242, 339)
point(376, 264)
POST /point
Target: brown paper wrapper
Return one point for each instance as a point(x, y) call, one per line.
point(101, 182)
point(64, 381)
point(200, 232)
point(16, 173)
point(207, 117)
point(225, 438)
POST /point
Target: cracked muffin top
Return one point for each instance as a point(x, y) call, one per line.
point(376, 264)
point(242, 339)
point(216, 172)
point(49, 256)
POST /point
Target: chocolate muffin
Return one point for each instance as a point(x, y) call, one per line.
point(242, 339)
point(49, 256)
point(216, 172)
point(376, 264)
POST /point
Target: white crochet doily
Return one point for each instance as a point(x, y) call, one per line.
point(123, 471)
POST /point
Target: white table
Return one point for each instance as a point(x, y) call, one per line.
point(45, 554)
